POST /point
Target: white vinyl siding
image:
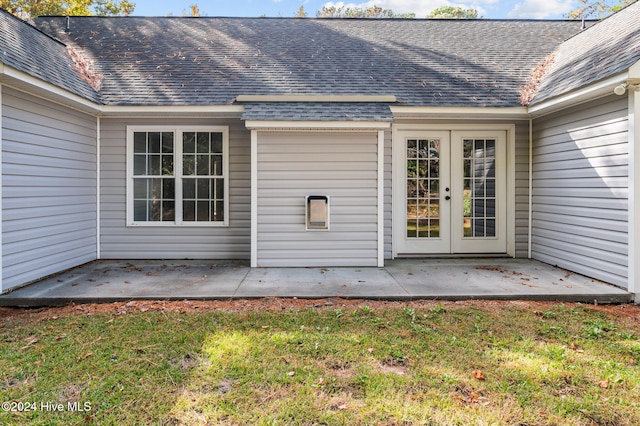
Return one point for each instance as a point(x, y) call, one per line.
point(580, 190)
point(49, 188)
point(118, 241)
point(342, 166)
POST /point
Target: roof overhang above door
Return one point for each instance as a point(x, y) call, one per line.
point(317, 98)
point(318, 125)
point(317, 114)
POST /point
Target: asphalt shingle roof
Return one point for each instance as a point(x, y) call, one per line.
point(27, 49)
point(603, 50)
point(210, 61)
point(322, 111)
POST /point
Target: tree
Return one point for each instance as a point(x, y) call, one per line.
point(26, 9)
point(597, 9)
point(357, 12)
point(301, 13)
point(194, 10)
point(450, 12)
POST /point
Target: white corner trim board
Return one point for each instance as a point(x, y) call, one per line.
point(98, 181)
point(634, 194)
point(254, 198)
point(380, 199)
point(1, 146)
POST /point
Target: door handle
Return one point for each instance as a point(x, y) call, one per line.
point(447, 198)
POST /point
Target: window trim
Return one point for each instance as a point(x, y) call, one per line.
point(178, 174)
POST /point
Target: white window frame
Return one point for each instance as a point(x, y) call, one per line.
point(178, 174)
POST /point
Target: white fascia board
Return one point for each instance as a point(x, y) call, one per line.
point(316, 98)
point(597, 90)
point(25, 82)
point(520, 113)
point(317, 125)
point(145, 111)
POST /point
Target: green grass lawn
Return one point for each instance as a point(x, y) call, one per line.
point(423, 363)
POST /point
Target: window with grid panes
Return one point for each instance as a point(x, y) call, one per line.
point(177, 177)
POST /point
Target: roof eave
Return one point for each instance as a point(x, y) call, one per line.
point(584, 94)
point(22, 81)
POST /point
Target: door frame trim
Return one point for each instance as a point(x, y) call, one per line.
point(397, 175)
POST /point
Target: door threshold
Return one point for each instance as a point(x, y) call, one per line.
point(453, 256)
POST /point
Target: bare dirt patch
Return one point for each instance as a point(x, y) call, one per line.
point(273, 304)
point(399, 370)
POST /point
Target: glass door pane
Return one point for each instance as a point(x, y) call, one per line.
point(423, 188)
point(479, 191)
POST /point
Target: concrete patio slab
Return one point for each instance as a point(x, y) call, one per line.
point(497, 279)
point(375, 283)
point(107, 281)
point(401, 279)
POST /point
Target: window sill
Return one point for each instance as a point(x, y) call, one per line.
point(224, 224)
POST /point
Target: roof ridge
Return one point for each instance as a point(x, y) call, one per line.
point(293, 18)
point(30, 24)
point(597, 22)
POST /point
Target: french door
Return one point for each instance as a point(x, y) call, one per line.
point(451, 192)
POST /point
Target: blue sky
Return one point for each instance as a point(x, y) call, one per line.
point(490, 9)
